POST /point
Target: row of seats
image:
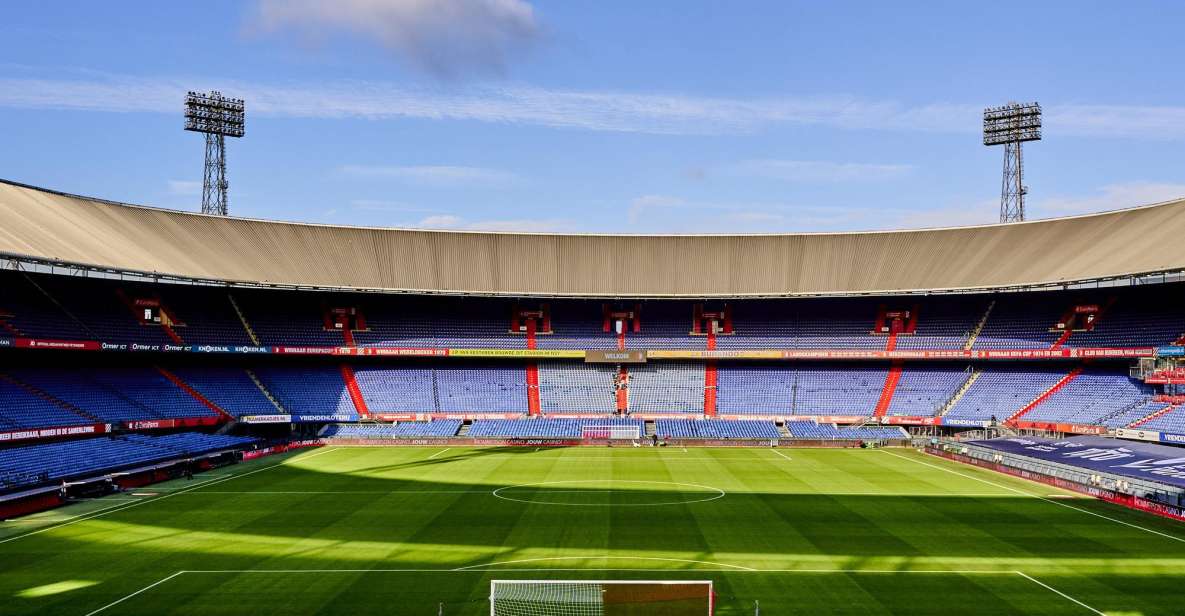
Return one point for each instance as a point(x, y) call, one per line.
point(64, 307)
point(22, 467)
point(409, 429)
point(809, 430)
point(715, 429)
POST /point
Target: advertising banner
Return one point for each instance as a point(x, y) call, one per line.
point(527, 353)
point(266, 419)
point(1137, 434)
point(24, 435)
point(615, 357)
point(1171, 351)
point(898, 420)
point(1126, 458)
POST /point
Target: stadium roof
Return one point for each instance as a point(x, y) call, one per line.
point(43, 226)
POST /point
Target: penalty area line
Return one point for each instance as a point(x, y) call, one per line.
point(1056, 591)
point(433, 456)
point(782, 454)
point(129, 596)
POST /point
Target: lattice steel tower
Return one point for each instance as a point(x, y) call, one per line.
point(217, 117)
point(1010, 126)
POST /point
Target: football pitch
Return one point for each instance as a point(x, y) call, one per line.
point(358, 531)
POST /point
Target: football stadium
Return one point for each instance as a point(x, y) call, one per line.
point(267, 410)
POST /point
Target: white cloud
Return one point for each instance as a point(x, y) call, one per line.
point(434, 175)
point(587, 110)
point(382, 205)
point(1109, 197)
point(447, 38)
point(185, 187)
point(440, 221)
point(817, 171)
point(459, 223)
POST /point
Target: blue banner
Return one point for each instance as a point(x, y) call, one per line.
point(1171, 351)
point(1146, 461)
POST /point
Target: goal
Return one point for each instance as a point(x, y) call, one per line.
point(600, 597)
point(615, 433)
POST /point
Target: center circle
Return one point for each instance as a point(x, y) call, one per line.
point(608, 493)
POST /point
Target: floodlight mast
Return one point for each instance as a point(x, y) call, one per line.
point(1010, 126)
point(217, 117)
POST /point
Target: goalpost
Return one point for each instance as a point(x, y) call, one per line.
point(601, 597)
point(611, 433)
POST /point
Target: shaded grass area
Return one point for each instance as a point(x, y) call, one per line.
point(348, 531)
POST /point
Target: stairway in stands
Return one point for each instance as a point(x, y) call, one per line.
point(354, 391)
point(247, 328)
point(1045, 395)
point(267, 394)
point(979, 327)
point(891, 380)
point(960, 392)
point(1164, 411)
point(176, 380)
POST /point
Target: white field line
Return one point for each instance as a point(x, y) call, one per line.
point(1047, 586)
point(483, 491)
point(485, 568)
point(782, 454)
point(642, 558)
point(1030, 494)
point(126, 597)
point(122, 506)
point(433, 456)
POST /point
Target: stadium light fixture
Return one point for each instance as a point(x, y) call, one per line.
point(1011, 125)
point(218, 117)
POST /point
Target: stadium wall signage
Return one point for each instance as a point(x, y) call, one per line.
point(631, 356)
point(266, 419)
point(1124, 458)
point(1125, 500)
point(24, 435)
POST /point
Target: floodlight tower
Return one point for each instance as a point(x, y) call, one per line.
point(1010, 126)
point(218, 117)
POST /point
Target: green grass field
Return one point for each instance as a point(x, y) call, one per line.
point(400, 530)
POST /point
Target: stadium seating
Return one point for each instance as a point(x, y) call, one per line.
point(230, 388)
point(1172, 422)
point(1002, 390)
point(32, 465)
point(71, 308)
point(409, 429)
point(923, 389)
point(715, 429)
point(309, 390)
point(809, 430)
point(1091, 397)
point(543, 428)
point(569, 388)
point(800, 389)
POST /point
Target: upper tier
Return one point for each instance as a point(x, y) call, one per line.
point(42, 225)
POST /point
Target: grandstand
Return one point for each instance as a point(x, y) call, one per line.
point(460, 386)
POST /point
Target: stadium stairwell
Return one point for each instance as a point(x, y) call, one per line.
point(1164, 411)
point(176, 380)
point(266, 394)
point(534, 403)
point(1045, 395)
point(48, 398)
point(960, 392)
point(979, 326)
point(355, 391)
point(891, 380)
point(165, 319)
point(711, 377)
point(243, 320)
point(1062, 339)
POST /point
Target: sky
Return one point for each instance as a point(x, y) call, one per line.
point(613, 117)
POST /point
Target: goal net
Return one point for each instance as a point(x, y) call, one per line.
point(601, 433)
point(600, 598)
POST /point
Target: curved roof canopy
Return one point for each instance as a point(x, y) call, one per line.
point(46, 226)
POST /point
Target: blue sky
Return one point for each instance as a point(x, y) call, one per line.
point(632, 117)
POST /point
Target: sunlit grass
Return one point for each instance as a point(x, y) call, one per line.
point(55, 588)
